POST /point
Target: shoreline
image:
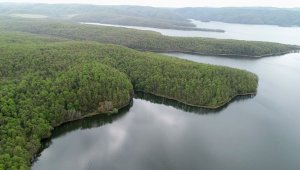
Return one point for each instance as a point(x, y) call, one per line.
point(33, 159)
point(219, 55)
point(35, 156)
point(93, 114)
point(177, 28)
point(202, 106)
point(167, 97)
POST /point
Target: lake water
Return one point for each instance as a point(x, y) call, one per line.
point(250, 133)
point(285, 35)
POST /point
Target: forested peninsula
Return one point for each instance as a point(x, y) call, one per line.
point(45, 81)
point(54, 70)
point(147, 40)
point(165, 18)
point(121, 15)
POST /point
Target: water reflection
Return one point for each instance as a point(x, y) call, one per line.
point(168, 102)
point(86, 123)
point(101, 120)
point(262, 133)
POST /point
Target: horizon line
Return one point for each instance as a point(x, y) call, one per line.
point(154, 6)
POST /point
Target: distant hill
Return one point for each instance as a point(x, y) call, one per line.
point(120, 15)
point(165, 18)
point(145, 40)
point(261, 16)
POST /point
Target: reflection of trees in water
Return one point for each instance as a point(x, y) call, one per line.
point(184, 107)
point(100, 120)
point(86, 123)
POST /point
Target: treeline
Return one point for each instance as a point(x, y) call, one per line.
point(120, 15)
point(148, 40)
point(167, 18)
point(253, 15)
point(45, 84)
point(32, 105)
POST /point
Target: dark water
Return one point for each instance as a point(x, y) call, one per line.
point(261, 132)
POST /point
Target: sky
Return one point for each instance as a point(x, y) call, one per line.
point(178, 3)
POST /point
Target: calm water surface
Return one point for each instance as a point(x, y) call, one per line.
point(286, 35)
point(251, 133)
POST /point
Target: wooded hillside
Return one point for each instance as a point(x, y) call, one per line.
point(44, 83)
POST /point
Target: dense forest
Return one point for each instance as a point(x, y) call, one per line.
point(45, 81)
point(261, 16)
point(146, 40)
point(56, 70)
point(167, 18)
point(121, 15)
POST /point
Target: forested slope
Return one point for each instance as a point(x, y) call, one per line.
point(166, 18)
point(121, 15)
point(251, 15)
point(53, 71)
point(147, 40)
point(44, 83)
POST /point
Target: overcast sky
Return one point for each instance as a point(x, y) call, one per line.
point(177, 3)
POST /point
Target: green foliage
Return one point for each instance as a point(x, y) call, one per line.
point(45, 81)
point(148, 40)
point(85, 85)
point(46, 95)
point(155, 17)
point(122, 15)
point(205, 85)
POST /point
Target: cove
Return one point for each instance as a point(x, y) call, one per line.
point(257, 133)
point(261, 132)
